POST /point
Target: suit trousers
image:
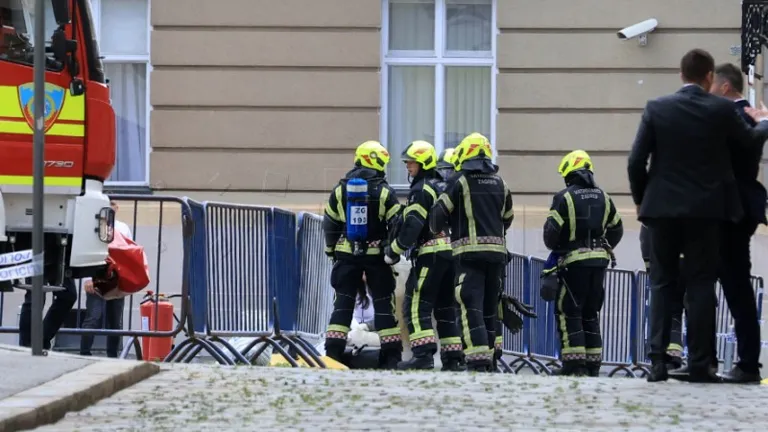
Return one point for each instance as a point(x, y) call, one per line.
point(699, 241)
point(735, 277)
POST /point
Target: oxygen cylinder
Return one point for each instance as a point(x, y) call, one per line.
point(357, 215)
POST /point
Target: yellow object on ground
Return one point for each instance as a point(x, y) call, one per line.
point(764, 382)
point(278, 360)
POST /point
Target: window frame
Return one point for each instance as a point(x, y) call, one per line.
point(439, 59)
point(122, 59)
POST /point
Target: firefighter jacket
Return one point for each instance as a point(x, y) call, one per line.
point(414, 231)
point(582, 221)
point(478, 206)
point(383, 206)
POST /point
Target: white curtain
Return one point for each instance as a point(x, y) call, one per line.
point(412, 25)
point(468, 25)
point(127, 83)
point(467, 103)
point(411, 113)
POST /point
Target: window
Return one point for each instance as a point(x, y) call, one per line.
point(438, 74)
point(17, 18)
point(122, 29)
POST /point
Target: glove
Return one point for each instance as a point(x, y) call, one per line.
point(550, 283)
point(511, 307)
point(389, 257)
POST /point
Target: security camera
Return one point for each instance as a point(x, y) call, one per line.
point(639, 30)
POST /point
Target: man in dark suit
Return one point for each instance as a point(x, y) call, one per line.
point(736, 266)
point(685, 197)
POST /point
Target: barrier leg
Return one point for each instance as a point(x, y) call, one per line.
point(309, 349)
point(214, 351)
point(525, 363)
point(626, 369)
point(180, 350)
point(503, 366)
point(133, 342)
point(238, 357)
point(192, 352)
point(293, 346)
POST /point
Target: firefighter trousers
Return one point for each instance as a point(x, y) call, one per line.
point(430, 288)
point(577, 314)
point(478, 285)
point(347, 281)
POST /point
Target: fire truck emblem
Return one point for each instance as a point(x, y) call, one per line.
point(54, 101)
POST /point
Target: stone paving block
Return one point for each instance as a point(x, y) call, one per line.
point(72, 391)
point(211, 397)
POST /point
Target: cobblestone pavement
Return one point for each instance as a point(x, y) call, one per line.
point(205, 397)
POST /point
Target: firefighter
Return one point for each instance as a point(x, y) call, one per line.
point(345, 216)
point(582, 229)
point(430, 283)
point(478, 206)
point(675, 347)
point(445, 166)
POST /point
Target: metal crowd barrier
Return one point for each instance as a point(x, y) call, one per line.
point(248, 262)
point(156, 246)
point(315, 295)
point(518, 345)
point(618, 321)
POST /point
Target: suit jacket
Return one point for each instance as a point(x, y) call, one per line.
point(746, 167)
point(689, 137)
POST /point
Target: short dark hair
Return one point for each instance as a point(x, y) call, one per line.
point(696, 64)
point(732, 74)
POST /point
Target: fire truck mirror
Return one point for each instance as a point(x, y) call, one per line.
point(61, 12)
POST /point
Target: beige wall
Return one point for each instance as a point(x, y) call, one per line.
point(566, 81)
point(271, 96)
point(261, 95)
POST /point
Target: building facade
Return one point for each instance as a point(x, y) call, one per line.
point(265, 100)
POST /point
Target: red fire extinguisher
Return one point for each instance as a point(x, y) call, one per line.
point(156, 348)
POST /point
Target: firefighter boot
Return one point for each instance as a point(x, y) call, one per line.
point(420, 360)
point(593, 369)
point(495, 362)
point(571, 368)
point(479, 366)
point(388, 359)
point(453, 363)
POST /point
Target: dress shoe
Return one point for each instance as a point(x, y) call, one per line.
point(696, 376)
point(658, 373)
point(737, 375)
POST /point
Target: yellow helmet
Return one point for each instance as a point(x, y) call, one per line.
point(446, 159)
point(472, 146)
point(421, 152)
point(573, 161)
point(373, 155)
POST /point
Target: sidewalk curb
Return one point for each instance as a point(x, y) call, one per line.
point(74, 391)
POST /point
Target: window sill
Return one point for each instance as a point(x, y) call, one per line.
point(127, 189)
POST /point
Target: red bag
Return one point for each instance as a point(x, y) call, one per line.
point(127, 269)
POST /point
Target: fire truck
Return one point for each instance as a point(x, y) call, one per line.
point(79, 125)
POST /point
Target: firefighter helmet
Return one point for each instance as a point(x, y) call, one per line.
point(446, 159)
point(475, 145)
point(574, 161)
point(373, 155)
point(422, 153)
